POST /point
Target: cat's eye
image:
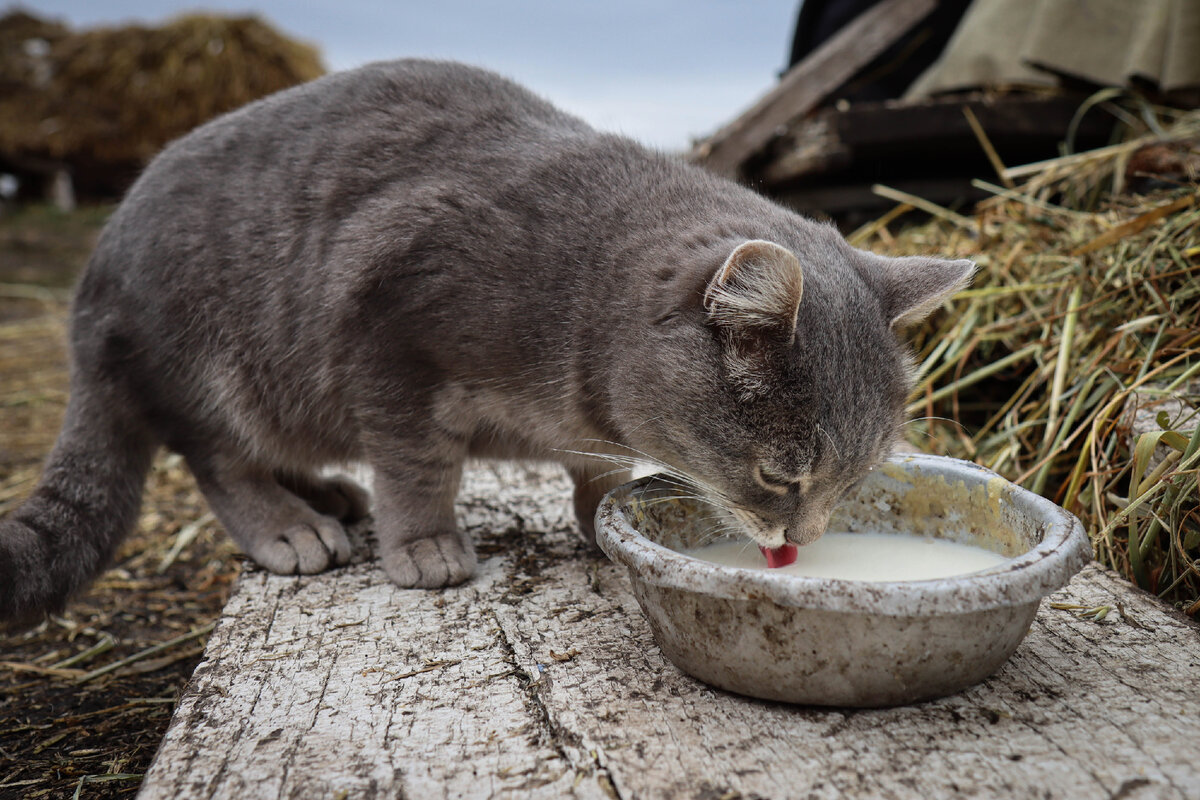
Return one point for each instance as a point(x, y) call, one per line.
point(772, 481)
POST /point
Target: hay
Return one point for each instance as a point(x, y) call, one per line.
point(1081, 180)
point(120, 94)
point(1072, 365)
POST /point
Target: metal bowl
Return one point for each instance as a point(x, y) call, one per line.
point(820, 641)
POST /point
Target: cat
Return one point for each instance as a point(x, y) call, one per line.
point(417, 262)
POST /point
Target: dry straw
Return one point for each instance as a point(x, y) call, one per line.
point(1072, 365)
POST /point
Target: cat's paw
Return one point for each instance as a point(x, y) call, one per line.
point(341, 499)
point(303, 548)
point(335, 497)
point(444, 559)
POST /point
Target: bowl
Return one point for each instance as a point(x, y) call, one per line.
point(821, 641)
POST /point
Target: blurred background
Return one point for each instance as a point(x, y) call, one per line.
point(104, 84)
point(658, 70)
point(90, 91)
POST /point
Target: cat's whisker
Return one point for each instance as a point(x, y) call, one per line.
point(674, 493)
point(666, 475)
point(646, 422)
point(747, 546)
point(623, 446)
point(643, 456)
point(625, 461)
point(929, 433)
point(829, 439)
point(621, 462)
point(724, 531)
point(717, 521)
point(680, 485)
point(670, 492)
point(660, 500)
point(611, 457)
point(719, 534)
point(611, 472)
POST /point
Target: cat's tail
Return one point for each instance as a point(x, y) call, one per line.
point(86, 502)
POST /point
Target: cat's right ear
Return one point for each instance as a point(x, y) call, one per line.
point(757, 291)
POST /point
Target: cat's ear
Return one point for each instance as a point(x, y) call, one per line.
point(757, 291)
point(912, 287)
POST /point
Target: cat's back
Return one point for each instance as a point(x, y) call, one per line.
point(376, 117)
point(300, 162)
point(264, 191)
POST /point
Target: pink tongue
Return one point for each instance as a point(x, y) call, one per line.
point(779, 556)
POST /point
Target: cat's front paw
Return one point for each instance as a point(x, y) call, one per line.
point(304, 547)
point(444, 559)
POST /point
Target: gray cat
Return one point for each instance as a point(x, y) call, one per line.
point(416, 262)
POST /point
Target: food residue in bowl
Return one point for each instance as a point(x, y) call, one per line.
point(862, 557)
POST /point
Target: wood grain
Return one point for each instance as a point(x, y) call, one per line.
point(540, 678)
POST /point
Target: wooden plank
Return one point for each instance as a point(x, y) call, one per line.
point(832, 139)
point(540, 678)
point(813, 147)
point(806, 84)
point(342, 685)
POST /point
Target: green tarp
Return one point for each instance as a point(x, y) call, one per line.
point(1102, 42)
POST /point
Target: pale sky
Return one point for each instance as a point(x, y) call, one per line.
point(661, 71)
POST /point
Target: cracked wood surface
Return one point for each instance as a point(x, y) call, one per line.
point(540, 679)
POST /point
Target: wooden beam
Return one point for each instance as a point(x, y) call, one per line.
point(808, 83)
point(832, 139)
point(833, 198)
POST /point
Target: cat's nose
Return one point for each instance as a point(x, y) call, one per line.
point(807, 529)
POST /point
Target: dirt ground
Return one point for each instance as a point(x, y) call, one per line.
point(68, 726)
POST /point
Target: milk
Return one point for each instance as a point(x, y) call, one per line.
point(862, 557)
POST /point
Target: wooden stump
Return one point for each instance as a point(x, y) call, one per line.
point(540, 679)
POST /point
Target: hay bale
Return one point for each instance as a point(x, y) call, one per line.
point(117, 95)
point(25, 68)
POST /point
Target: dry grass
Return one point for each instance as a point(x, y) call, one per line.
point(1072, 365)
point(86, 697)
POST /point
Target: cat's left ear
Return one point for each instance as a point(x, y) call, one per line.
point(912, 287)
point(752, 300)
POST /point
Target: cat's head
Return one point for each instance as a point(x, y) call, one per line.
point(779, 381)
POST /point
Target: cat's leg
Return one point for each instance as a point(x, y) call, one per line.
point(333, 496)
point(276, 528)
point(420, 545)
point(592, 482)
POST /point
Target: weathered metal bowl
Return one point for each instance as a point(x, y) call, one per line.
point(850, 643)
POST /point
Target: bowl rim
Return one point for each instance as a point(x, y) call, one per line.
point(1063, 551)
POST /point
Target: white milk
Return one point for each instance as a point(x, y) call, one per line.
point(862, 557)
